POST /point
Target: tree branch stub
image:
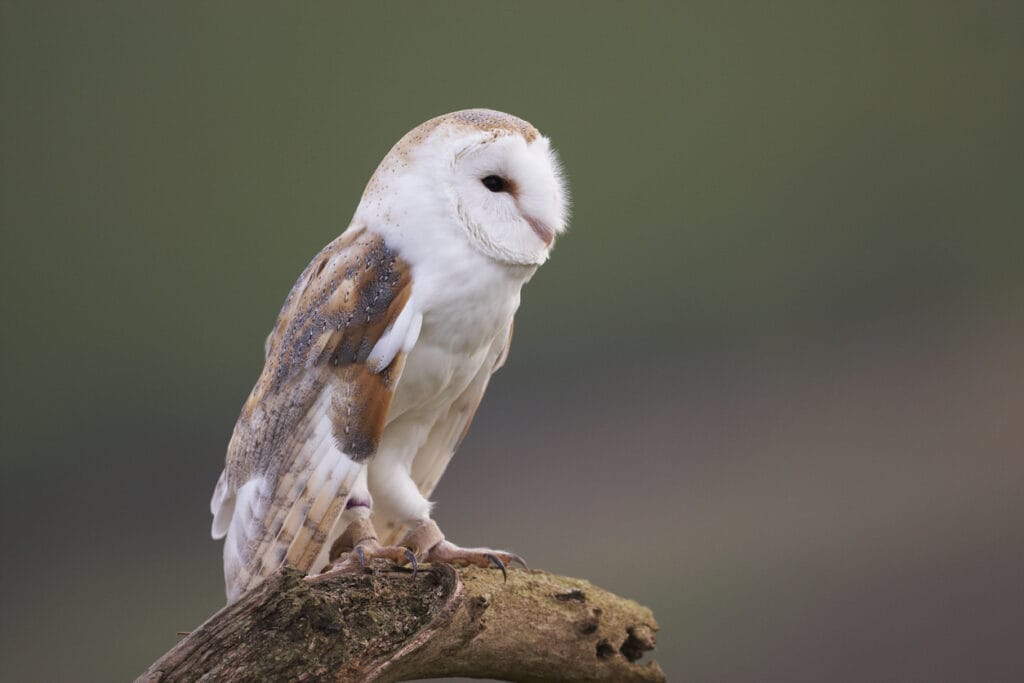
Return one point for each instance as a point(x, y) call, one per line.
point(386, 625)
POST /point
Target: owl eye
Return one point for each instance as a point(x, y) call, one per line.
point(494, 183)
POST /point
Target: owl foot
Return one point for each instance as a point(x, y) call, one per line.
point(449, 553)
point(361, 539)
point(427, 535)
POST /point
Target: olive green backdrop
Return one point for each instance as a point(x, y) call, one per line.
point(771, 383)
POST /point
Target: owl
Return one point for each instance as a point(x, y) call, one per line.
point(382, 352)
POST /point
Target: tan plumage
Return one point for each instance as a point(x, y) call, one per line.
point(337, 311)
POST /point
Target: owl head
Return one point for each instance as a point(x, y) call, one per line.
point(478, 175)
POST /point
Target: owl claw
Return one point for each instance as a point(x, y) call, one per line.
point(512, 558)
point(449, 553)
point(361, 554)
point(361, 539)
point(496, 561)
point(427, 543)
point(409, 555)
point(369, 549)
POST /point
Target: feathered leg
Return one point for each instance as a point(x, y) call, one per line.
point(400, 502)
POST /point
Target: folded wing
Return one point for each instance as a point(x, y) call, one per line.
point(317, 413)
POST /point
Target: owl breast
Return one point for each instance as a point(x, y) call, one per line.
point(446, 358)
point(467, 308)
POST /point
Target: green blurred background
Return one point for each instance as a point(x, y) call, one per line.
point(771, 383)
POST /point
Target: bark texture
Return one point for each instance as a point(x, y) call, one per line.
point(385, 625)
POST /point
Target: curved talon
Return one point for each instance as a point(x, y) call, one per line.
point(361, 554)
point(496, 561)
point(515, 559)
point(409, 555)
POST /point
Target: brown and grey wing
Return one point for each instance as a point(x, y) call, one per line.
point(446, 435)
point(287, 517)
point(318, 411)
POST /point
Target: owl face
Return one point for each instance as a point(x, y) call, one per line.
point(477, 175)
point(508, 195)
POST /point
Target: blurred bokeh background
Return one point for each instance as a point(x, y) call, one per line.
point(771, 383)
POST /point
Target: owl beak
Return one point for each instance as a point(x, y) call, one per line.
point(546, 234)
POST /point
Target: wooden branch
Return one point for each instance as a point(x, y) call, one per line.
point(385, 625)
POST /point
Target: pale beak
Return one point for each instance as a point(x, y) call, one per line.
point(546, 234)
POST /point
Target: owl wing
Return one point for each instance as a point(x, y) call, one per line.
point(317, 411)
point(446, 436)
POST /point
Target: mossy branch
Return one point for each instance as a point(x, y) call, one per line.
point(385, 625)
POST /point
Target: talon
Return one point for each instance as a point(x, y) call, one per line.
point(446, 552)
point(409, 555)
point(496, 561)
point(361, 554)
point(515, 559)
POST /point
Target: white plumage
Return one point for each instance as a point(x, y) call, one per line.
point(384, 349)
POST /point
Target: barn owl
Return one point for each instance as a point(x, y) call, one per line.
point(382, 352)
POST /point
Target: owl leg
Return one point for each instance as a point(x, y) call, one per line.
point(359, 543)
point(399, 499)
point(428, 543)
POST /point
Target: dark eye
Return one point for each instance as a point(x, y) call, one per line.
point(494, 183)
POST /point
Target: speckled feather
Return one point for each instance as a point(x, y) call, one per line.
point(332, 318)
point(334, 315)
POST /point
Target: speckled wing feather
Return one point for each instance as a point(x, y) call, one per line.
point(445, 437)
point(317, 412)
